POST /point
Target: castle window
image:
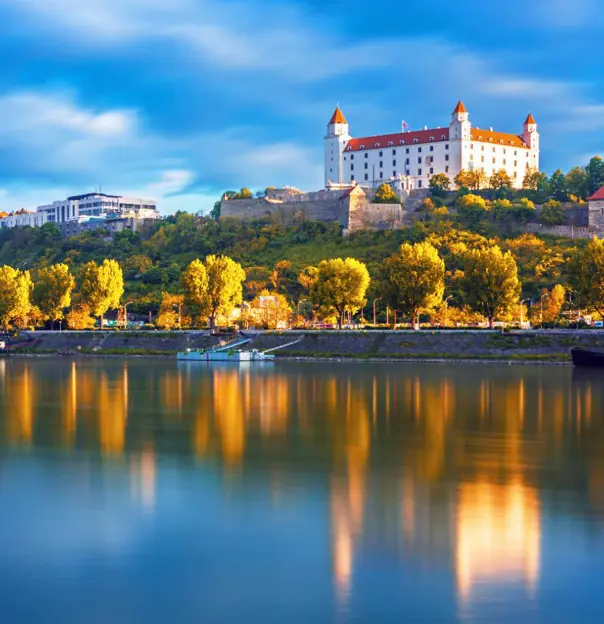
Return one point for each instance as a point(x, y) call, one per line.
point(366, 176)
point(394, 152)
point(381, 154)
point(431, 148)
point(407, 151)
point(390, 143)
point(419, 150)
point(415, 141)
point(352, 157)
point(366, 166)
point(431, 138)
point(394, 163)
point(377, 144)
point(431, 170)
point(419, 184)
point(394, 174)
point(447, 145)
point(444, 138)
point(419, 161)
point(381, 163)
point(407, 161)
point(446, 169)
point(419, 172)
point(366, 155)
point(446, 156)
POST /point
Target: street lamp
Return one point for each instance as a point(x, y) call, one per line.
point(521, 315)
point(374, 302)
point(126, 313)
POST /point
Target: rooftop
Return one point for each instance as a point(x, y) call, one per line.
point(598, 195)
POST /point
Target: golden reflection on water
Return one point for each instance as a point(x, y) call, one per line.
point(443, 463)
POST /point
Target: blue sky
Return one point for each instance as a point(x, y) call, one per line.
point(182, 99)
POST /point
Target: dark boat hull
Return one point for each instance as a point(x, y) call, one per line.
point(587, 359)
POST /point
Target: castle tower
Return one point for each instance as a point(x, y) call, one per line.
point(335, 141)
point(531, 137)
point(460, 136)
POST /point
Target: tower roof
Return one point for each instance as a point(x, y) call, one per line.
point(530, 119)
point(460, 108)
point(337, 117)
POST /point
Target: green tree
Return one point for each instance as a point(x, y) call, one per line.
point(15, 295)
point(552, 213)
point(577, 182)
point(386, 195)
point(340, 286)
point(102, 287)
point(215, 212)
point(558, 185)
point(52, 291)
point(490, 283)
point(595, 174)
point(586, 276)
point(439, 184)
point(244, 193)
point(195, 285)
point(473, 207)
point(412, 280)
point(225, 286)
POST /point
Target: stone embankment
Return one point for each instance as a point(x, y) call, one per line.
point(530, 346)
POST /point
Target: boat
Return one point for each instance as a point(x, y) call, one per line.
point(586, 358)
point(230, 353)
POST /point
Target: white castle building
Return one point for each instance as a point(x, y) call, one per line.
point(411, 158)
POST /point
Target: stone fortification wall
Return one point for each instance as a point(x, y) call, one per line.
point(329, 210)
point(366, 216)
point(569, 231)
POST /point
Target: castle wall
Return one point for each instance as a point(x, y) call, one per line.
point(328, 210)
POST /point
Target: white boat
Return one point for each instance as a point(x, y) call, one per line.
point(230, 353)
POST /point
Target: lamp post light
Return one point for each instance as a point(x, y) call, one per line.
point(374, 316)
point(126, 314)
point(521, 312)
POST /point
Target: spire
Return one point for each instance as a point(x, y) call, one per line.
point(337, 117)
point(460, 108)
point(530, 120)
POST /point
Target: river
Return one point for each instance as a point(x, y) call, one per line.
point(152, 491)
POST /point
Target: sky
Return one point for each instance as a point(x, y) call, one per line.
point(180, 100)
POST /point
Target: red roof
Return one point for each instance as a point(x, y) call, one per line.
point(337, 117)
point(434, 135)
point(460, 108)
point(530, 119)
point(500, 138)
point(598, 195)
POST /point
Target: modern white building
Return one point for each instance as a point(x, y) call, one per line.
point(82, 208)
point(411, 158)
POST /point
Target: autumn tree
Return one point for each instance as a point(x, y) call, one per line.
point(340, 286)
point(412, 280)
point(79, 317)
point(473, 180)
point(534, 180)
point(270, 309)
point(439, 184)
point(102, 287)
point(15, 295)
point(490, 284)
point(500, 180)
point(551, 304)
point(586, 276)
point(552, 213)
point(52, 291)
point(385, 195)
point(195, 285)
point(170, 312)
point(225, 286)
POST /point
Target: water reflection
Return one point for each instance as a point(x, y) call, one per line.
point(449, 466)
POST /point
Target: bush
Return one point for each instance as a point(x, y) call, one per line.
point(552, 213)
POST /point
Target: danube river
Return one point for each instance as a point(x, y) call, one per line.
point(151, 491)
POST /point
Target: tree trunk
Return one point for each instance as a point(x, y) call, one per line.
point(102, 319)
point(491, 322)
point(340, 319)
point(416, 321)
point(394, 319)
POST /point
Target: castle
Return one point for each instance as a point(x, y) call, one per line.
point(407, 160)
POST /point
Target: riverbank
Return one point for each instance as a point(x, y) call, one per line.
point(454, 345)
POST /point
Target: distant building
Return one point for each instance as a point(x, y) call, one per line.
point(80, 213)
point(411, 158)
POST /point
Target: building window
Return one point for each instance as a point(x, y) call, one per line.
point(515, 163)
point(419, 184)
point(366, 176)
point(494, 160)
point(431, 170)
point(515, 152)
point(381, 175)
point(394, 152)
point(419, 161)
point(406, 150)
point(419, 150)
point(419, 172)
point(493, 150)
point(482, 159)
point(390, 143)
point(447, 146)
point(394, 163)
point(381, 154)
point(431, 159)
point(406, 161)
point(351, 156)
point(351, 167)
point(344, 157)
point(407, 172)
point(381, 163)
point(505, 161)
point(366, 155)
point(446, 169)
point(366, 165)
point(394, 174)
point(482, 148)
point(352, 178)
point(446, 156)
point(431, 148)
point(415, 141)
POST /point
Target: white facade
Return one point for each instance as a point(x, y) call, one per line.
point(411, 158)
point(83, 207)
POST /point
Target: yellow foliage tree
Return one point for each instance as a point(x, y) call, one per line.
point(195, 284)
point(551, 305)
point(15, 295)
point(79, 317)
point(490, 283)
point(102, 287)
point(340, 286)
point(413, 280)
point(170, 312)
point(500, 180)
point(270, 309)
point(52, 292)
point(225, 286)
point(474, 180)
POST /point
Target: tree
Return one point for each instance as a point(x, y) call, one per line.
point(52, 291)
point(558, 185)
point(490, 283)
point(552, 213)
point(170, 312)
point(595, 174)
point(577, 182)
point(534, 180)
point(215, 212)
point(79, 317)
point(413, 280)
point(244, 193)
point(472, 206)
point(102, 287)
point(340, 286)
point(225, 286)
point(195, 284)
point(15, 295)
point(586, 276)
point(439, 184)
point(474, 180)
point(270, 309)
point(551, 304)
point(500, 180)
point(386, 195)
